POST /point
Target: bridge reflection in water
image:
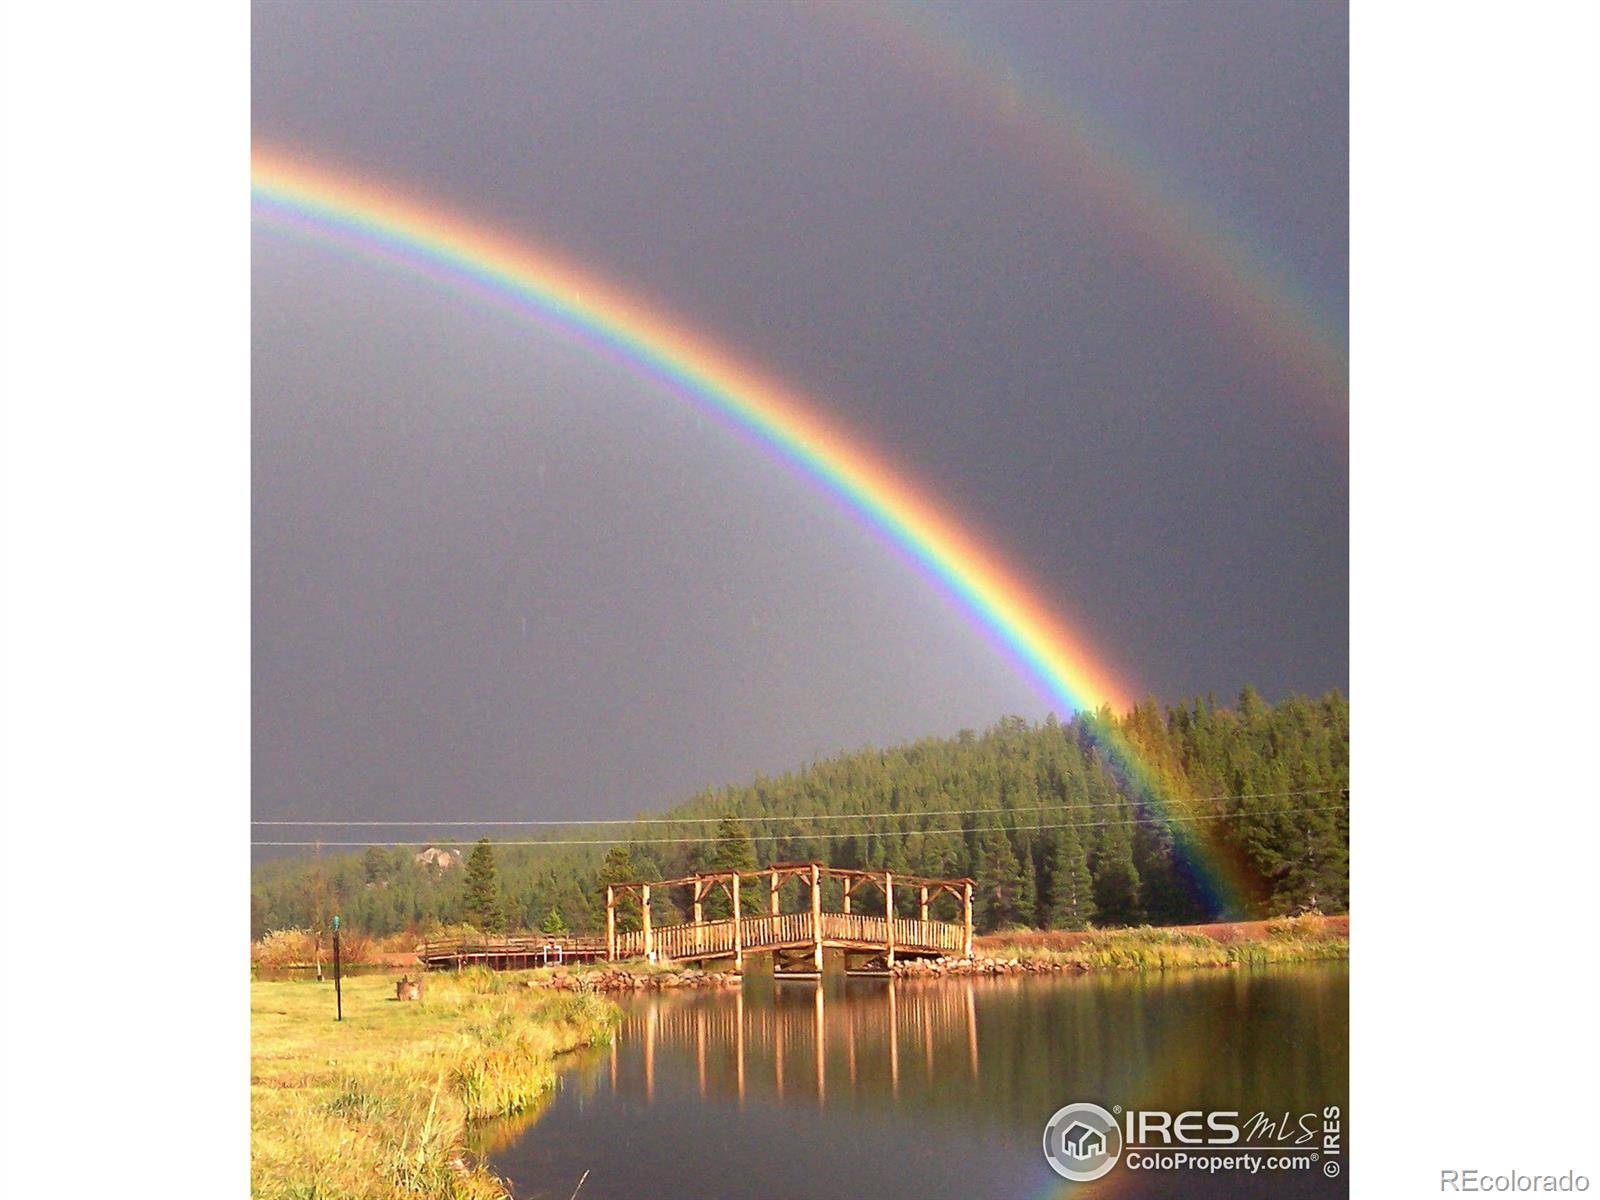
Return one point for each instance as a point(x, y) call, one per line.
point(797, 1043)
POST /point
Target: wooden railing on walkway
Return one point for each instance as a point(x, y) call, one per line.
point(709, 939)
point(527, 951)
point(779, 933)
point(782, 933)
point(766, 931)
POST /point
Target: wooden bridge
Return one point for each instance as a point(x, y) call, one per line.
point(511, 953)
point(871, 941)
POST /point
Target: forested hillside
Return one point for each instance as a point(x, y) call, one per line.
point(1191, 813)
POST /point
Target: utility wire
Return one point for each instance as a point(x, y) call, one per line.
point(927, 812)
point(828, 837)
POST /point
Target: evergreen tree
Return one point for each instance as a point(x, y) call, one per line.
point(618, 867)
point(1263, 784)
point(733, 852)
point(481, 901)
point(1165, 895)
point(1005, 890)
point(1071, 889)
point(553, 924)
point(378, 863)
point(662, 911)
point(1116, 880)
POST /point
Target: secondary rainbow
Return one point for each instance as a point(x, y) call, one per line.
point(425, 238)
point(1240, 281)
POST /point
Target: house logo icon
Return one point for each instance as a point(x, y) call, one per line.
point(1082, 1142)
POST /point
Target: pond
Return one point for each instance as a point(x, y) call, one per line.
point(930, 1088)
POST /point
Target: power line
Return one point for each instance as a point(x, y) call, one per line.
point(828, 837)
point(927, 812)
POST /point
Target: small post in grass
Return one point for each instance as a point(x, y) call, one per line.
point(338, 994)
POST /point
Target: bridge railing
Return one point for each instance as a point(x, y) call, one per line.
point(764, 931)
point(855, 927)
point(716, 937)
point(777, 929)
point(929, 935)
point(681, 941)
point(760, 931)
point(526, 947)
point(909, 932)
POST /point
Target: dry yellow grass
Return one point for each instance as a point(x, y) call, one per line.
point(1287, 939)
point(377, 1106)
point(300, 948)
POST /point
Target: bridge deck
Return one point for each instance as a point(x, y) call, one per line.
point(782, 931)
point(785, 935)
point(687, 942)
point(511, 952)
point(789, 937)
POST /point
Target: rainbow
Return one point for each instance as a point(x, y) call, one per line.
point(304, 199)
point(1231, 271)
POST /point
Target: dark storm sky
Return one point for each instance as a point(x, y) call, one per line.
point(498, 577)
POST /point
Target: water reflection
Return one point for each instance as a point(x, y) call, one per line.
point(788, 1032)
point(927, 1088)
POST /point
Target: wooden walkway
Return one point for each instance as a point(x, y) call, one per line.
point(794, 931)
point(510, 953)
point(796, 940)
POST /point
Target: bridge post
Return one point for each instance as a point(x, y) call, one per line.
point(699, 914)
point(922, 905)
point(847, 885)
point(966, 919)
point(888, 912)
point(772, 888)
point(822, 1048)
point(816, 918)
point(644, 907)
point(738, 933)
point(611, 923)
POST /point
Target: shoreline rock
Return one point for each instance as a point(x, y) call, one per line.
point(616, 980)
point(979, 964)
point(619, 980)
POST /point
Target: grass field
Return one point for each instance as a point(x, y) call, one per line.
point(377, 1106)
point(1285, 939)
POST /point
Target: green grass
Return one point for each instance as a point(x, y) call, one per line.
point(377, 1106)
point(1151, 949)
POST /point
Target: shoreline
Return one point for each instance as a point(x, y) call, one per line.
point(381, 1104)
point(1223, 944)
point(1145, 948)
point(384, 1103)
point(1224, 932)
point(1308, 938)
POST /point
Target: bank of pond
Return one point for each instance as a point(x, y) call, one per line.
point(383, 1102)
